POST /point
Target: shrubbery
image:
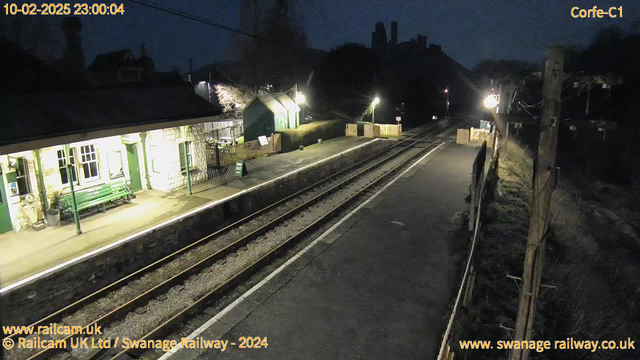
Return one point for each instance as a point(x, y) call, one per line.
point(310, 133)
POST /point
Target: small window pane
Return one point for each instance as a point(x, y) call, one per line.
point(62, 165)
point(22, 176)
point(89, 158)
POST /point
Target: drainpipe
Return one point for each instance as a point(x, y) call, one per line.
point(43, 190)
point(143, 140)
point(76, 218)
point(186, 163)
point(185, 143)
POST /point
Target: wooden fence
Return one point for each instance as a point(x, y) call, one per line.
point(474, 135)
point(351, 130)
point(462, 137)
point(217, 158)
point(390, 129)
point(377, 130)
point(482, 189)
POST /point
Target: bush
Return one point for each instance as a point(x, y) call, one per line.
point(310, 133)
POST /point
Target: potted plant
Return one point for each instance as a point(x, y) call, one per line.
point(53, 213)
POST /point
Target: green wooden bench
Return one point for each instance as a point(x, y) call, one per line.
point(94, 196)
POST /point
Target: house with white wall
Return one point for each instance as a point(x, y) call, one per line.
point(131, 135)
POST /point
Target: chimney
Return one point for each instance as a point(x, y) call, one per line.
point(74, 54)
point(143, 50)
point(379, 38)
point(394, 34)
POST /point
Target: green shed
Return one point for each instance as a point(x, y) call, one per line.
point(268, 113)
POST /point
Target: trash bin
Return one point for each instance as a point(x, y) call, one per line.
point(53, 217)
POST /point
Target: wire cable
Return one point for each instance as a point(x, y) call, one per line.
point(205, 21)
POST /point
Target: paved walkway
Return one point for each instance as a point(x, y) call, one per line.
point(376, 287)
point(29, 252)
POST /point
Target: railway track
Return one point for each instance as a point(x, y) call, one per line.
point(179, 284)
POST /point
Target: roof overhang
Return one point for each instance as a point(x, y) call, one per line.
point(98, 134)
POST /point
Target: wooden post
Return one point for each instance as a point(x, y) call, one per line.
point(542, 188)
point(506, 141)
point(472, 201)
point(477, 176)
point(468, 292)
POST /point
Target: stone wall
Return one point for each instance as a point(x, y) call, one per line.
point(49, 293)
point(163, 148)
point(24, 215)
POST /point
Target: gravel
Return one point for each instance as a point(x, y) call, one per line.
point(143, 319)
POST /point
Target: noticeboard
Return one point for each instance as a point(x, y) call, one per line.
point(241, 168)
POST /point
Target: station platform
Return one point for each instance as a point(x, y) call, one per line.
point(28, 253)
point(377, 285)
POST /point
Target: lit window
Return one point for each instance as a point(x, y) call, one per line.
point(22, 176)
point(189, 152)
point(62, 165)
point(114, 159)
point(89, 159)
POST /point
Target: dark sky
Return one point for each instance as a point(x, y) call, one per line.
point(467, 30)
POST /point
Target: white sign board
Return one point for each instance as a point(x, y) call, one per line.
point(263, 140)
point(398, 118)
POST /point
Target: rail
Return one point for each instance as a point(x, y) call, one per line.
point(291, 241)
point(111, 316)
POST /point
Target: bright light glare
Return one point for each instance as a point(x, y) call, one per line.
point(491, 101)
point(376, 101)
point(300, 98)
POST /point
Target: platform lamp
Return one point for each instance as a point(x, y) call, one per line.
point(70, 172)
point(375, 102)
point(185, 145)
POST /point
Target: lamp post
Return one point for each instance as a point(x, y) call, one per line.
point(375, 102)
point(446, 91)
point(300, 100)
point(74, 203)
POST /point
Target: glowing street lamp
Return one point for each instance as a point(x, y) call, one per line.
point(491, 101)
point(446, 91)
point(375, 102)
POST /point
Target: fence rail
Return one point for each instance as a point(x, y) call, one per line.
point(222, 157)
point(482, 188)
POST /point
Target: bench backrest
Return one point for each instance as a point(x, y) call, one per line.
point(96, 192)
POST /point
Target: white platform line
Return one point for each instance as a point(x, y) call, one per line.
point(80, 258)
point(239, 300)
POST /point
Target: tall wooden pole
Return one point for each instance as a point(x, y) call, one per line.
point(542, 188)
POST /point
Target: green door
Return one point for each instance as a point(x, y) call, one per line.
point(5, 218)
point(134, 167)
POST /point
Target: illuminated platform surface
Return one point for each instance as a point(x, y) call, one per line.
point(29, 252)
point(376, 287)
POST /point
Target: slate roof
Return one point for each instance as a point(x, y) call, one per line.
point(276, 102)
point(41, 116)
point(114, 60)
